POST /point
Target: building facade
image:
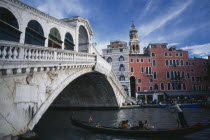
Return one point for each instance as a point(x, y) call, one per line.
point(117, 55)
point(160, 70)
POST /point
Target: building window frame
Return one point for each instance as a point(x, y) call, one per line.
point(121, 58)
point(169, 86)
point(139, 88)
point(131, 60)
point(181, 62)
point(150, 88)
point(153, 62)
point(162, 86)
point(166, 62)
point(155, 75)
point(142, 69)
point(204, 70)
point(132, 69)
point(168, 74)
point(142, 60)
point(184, 86)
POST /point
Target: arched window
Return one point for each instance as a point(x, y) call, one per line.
point(121, 68)
point(9, 28)
point(109, 59)
point(155, 86)
point(68, 42)
point(34, 33)
point(122, 78)
point(133, 86)
point(83, 39)
point(55, 39)
point(121, 58)
point(162, 86)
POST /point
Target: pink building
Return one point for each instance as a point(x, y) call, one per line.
point(161, 70)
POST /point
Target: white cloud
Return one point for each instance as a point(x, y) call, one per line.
point(200, 50)
point(149, 5)
point(173, 44)
point(177, 35)
point(161, 20)
point(60, 9)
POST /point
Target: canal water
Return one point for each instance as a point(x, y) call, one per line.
point(56, 125)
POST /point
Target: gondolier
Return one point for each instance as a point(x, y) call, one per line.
point(181, 117)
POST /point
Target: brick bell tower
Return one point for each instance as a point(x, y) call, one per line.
point(134, 41)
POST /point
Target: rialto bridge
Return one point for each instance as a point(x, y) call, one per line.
point(44, 60)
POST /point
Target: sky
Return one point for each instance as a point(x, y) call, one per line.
point(183, 23)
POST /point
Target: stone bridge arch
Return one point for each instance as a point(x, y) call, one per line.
point(31, 77)
point(101, 92)
point(28, 91)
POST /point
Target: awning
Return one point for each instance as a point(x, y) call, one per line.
point(145, 92)
point(187, 93)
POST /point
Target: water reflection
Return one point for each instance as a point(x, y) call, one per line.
point(55, 124)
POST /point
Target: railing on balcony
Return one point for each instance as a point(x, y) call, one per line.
point(148, 74)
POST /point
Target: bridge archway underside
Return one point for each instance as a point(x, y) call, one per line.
point(89, 90)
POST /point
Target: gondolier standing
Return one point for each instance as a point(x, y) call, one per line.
point(181, 117)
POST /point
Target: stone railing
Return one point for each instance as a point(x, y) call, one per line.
point(103, 66)
point(118, 84)
point(17, 58)
point(10, 51)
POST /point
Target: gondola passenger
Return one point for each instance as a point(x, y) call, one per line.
point(125, 125)
point(141, 125)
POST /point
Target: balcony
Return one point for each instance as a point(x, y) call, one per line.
point(148, 74)
point(176, 80)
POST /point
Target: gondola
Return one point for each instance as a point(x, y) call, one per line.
point(129, 132)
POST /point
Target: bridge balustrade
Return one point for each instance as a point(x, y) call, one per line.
point(16, 51)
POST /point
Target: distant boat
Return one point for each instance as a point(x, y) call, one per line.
point(150, 133)
point(193, 105)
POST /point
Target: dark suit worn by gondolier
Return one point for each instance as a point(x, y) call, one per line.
point(181, 117)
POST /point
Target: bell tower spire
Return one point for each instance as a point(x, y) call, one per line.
point(134, 41)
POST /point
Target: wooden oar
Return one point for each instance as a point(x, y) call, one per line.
point(177, 120)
